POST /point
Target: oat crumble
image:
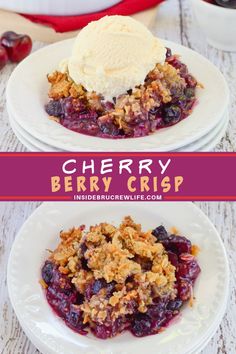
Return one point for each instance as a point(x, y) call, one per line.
point(106, 276)
point(166, 97)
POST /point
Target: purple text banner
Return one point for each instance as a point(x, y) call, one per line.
point(117, 176)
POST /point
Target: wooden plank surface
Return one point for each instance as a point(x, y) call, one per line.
point(14, 341)
point(174, 21)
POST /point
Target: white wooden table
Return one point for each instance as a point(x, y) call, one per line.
point(174, 21)
point(13, 339)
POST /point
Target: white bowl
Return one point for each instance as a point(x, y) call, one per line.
point(48, 332)
point(57, 7)
point(218, 23)
point(27, 93)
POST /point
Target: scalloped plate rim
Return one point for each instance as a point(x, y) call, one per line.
point(195, 210)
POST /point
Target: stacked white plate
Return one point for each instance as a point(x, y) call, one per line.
point(189, 334)
point(27, 95)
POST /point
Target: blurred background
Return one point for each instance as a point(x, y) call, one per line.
point(52, 20)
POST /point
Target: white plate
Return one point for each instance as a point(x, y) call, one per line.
point(27, 94)
point(31, 143)
point(196, 350)
point(216, 140)
point(213, 139)
point(56, 7)
point(210, 138)
point(24, 141)
point(51, 335)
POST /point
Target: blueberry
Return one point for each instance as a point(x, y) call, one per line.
point(75, 317)
point(109, 129)
point(172, 114)
point(142, 325)
point(189, 92)
point(47, 272)
point(63, 308)
point(160, 233)
point(54, 108)
point(94, 288)
point(174, 305)
point(157, 311)
point(98, 285)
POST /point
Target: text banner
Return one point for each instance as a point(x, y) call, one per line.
point(117, 176)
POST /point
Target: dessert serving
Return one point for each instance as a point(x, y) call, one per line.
point(112, 279)
point(120, 82)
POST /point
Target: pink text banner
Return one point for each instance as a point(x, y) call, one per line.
point(117, 176)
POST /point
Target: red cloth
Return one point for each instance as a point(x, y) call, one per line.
point(71, 23)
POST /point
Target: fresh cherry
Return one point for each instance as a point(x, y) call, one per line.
point(3, 57)
point(18, 46)
point(227, 3)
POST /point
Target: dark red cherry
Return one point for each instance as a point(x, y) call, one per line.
point(18, 46)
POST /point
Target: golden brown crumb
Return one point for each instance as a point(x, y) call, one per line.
point(55, 119)
point(115, 254)
point(60, 85)
point(174, 230)
point(195, 250)
point(66, 248)
point(159, 85)
point(43, 284)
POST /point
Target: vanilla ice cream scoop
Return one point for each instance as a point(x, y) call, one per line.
point(113, 55)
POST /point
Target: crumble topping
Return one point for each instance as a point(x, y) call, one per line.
point(159, 86)
point(107, 277)
point(115, 254)
point(166, 97)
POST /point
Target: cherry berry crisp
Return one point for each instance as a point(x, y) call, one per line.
point(113, 279)
point(167, 96)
